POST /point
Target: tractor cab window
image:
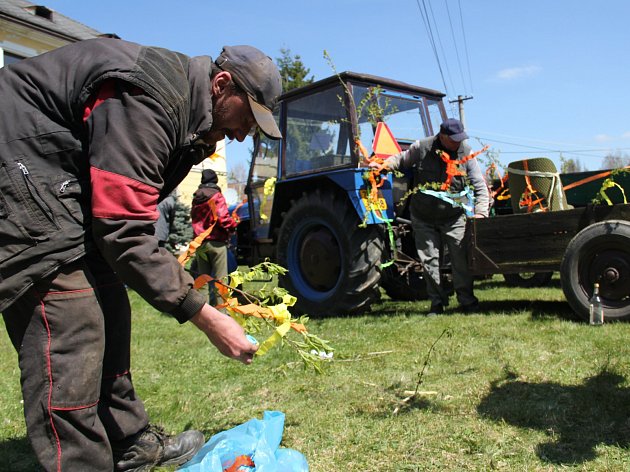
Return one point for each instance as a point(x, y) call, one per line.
point(317, 133)
point(265, 159)
point(262, 174)
point(409, 117)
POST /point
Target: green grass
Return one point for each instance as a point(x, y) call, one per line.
point(522, 387)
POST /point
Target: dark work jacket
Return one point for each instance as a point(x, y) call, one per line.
point(92, 135)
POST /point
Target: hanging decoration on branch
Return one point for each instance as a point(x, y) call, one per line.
point(384, 145)
point(198, 241)
point(268, 191)
point(266, 312)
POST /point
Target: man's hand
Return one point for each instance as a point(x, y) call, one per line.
point(381, 168)
point(225, 333)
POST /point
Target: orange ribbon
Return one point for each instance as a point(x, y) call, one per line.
point(530, 197)
point(198, 241)
point(232, 303)
point(502, 192)
point(374, 172)
point(234, 214)
point(590, 179)
point(256, 311)
point(239, 462)
point(452, 165)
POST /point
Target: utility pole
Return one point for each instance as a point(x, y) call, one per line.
point(460, 102)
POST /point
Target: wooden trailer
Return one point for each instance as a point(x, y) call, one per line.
point(587, 245)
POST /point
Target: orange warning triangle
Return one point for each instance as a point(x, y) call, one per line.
point(384, 144)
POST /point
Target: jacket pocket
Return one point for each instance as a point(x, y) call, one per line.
point(70, 194)
point(25, 217)
point(13, 236)
point(53, 137)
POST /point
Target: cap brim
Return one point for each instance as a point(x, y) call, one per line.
point(265, 120)
point(459, 137)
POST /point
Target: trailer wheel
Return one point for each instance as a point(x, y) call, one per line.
point(528, 279)
point(599, 253)
point(332, 263)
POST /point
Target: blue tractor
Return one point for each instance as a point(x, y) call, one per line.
point(307, 194)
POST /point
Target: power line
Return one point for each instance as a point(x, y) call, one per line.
point(461, 21)
point(439, 38)
point(541, 141)
point(459, 63)
point(576, 152)
point(425, 20)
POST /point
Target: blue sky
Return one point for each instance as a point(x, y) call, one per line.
point(546, 76)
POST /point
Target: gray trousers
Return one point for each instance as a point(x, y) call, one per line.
point(212, 260)
point(429, 237)
point(72, 334)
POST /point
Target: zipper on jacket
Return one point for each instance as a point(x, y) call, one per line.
point(37, 198)
point(64, 184)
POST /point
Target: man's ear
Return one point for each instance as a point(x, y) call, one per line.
point(220, 83)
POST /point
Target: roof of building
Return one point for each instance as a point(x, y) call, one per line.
point(45, 19)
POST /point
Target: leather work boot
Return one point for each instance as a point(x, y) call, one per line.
point(152, 447)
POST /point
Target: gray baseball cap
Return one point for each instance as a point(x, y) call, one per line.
point(258, 76)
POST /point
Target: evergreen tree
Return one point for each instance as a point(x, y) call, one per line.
point(181, 233)
point(292, 71)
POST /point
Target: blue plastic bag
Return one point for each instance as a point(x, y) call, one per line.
point(257, 439)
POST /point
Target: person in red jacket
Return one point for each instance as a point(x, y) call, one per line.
point(209, 210)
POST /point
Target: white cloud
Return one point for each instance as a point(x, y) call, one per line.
point(602, 138)
point(518, 72)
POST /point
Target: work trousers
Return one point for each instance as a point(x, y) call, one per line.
point(72, 334)
point(212, 260)
point(429, 238)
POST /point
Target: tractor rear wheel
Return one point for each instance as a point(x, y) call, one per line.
point(333, 264)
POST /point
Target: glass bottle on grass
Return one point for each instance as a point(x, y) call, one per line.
point(596, 309)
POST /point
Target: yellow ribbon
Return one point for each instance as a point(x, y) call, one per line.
point(268, 190)
point(610, 183)
point(277, 335)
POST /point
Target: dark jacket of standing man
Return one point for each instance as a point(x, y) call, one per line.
point(99, 132)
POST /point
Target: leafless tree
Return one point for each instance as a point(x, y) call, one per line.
point(615, 160)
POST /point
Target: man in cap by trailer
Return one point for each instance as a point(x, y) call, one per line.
point(436, 220)
point(100, 132)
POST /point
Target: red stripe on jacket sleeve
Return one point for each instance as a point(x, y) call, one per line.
point(115, 196)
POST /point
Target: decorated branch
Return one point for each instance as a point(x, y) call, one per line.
point(609, 183)
point(265, 313)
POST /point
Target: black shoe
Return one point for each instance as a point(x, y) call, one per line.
point(471, 308)
point(152, 447)
point(436, 310)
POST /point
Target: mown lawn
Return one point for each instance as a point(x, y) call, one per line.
point(521, 386)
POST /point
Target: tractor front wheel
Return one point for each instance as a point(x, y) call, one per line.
point(332, 263)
